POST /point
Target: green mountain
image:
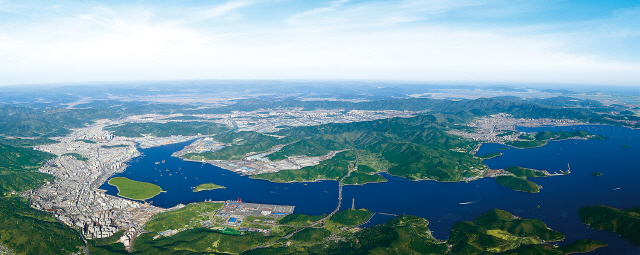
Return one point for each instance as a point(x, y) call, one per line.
point(19, 168)
point(415, 148)
point(29, 231)
point(626, 223)
point(498, 231)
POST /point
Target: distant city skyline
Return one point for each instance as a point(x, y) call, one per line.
point(563, 42)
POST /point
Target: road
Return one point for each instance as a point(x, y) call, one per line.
point(325, 218)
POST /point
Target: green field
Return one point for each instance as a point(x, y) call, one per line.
point(518, 184)
point(135, 189)
point(207, 186)
point(188, 217)
point(77, 156)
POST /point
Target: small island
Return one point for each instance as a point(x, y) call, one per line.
point(207, 186)
point(518, 184)
point(596, 173)
point(134, 189)
point(625, 146)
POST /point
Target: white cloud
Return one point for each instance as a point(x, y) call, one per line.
point(223, 9)
point(336, 42)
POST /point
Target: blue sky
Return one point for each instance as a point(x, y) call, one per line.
point(573, 42)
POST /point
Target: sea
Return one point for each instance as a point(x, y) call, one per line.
point(441, 203)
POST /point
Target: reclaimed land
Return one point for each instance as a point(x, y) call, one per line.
point(207, 186)
point(625, 223)
point(189, 216)
point(134, 189)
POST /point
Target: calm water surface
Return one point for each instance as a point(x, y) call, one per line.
point(438, 202)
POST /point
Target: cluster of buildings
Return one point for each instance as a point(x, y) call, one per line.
point(73, 196)
point(257, 163)
point(5, 250)
point(201, 145)
point(492, 129)
point(235, 212)
point(75, 199)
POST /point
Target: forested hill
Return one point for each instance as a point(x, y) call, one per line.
point(46, 122)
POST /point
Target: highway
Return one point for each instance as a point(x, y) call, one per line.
point(325, 218)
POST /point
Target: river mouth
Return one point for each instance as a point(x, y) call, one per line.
point(442, 203)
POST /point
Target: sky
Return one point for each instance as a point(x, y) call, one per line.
point(431, 41)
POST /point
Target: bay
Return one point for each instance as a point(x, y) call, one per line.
point(442, 203)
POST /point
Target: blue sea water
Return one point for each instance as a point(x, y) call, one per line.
point(439, 202)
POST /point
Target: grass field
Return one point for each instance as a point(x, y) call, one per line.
point(135, 189)
point(188, 216)
point(513, 241)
